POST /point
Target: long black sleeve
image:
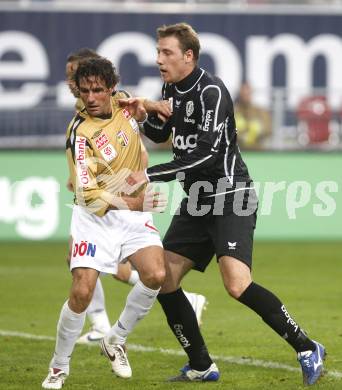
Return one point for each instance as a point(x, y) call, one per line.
point(156, 130)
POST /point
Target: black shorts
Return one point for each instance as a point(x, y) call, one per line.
point(199, 238)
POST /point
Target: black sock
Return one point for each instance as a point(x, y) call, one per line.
point(183, 323)
point(274, 313)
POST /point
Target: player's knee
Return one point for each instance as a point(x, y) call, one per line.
point(234, 289)
point(160, 276)
point(81, 297)
point(169, 285)
point(82, 302)
point(120, 278)
point(123, 273)
point(154, 278)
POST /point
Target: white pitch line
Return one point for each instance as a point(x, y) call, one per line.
point(25, 335)
point(141, 348)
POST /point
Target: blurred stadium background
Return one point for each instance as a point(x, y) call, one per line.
point(290, 53)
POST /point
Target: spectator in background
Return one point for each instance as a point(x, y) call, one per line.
point(253, 123)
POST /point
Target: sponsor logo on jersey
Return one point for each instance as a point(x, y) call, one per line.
point(81, 163)
point(126, 113)
point(134, 125)
point(183, 143)
point(177, 103)
point(84, 248)
point(108, 153)
point(122, 138)
point(189, 108)
point(96, 134)
point(207, 120)
point(189, 120)
point(101, 140)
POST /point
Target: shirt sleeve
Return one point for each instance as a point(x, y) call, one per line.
point(156, 130)
point(208, 140)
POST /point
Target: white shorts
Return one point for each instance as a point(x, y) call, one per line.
point(102, 243)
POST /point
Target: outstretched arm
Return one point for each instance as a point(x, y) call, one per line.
point(138, 105)
point(157, 124)
point(205, 152)
point(148, 200)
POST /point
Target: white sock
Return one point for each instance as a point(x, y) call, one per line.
point(96, 311)
point(138, 303)
point(69, 328)
point(134, 277)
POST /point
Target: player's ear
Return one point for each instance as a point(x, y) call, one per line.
point(189, 56)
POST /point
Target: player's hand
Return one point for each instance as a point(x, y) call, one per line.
point(134, 181)
point(148, 200)
point(154, 201)
point(162, 108)
point(135, 107)
point(138, 107)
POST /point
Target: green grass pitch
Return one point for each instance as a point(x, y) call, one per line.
point(34, 283)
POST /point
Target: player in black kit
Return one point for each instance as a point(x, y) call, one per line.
point(218, 215)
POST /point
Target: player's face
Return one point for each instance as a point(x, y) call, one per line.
point(70, 70)
point(174, 65)
point(96, 96)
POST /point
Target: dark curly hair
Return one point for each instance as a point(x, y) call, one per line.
point(100, 68)
point(81, 54)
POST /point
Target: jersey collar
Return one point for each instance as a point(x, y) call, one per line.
point(190, 81)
